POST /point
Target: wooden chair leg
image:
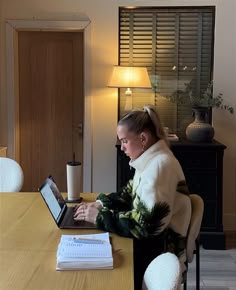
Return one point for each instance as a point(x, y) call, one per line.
point(197, 265)
point(185, 281)
point(197, 253)
point(185, 284)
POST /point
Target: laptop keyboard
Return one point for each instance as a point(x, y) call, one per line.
point(68, 220)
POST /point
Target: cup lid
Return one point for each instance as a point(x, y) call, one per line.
point(74, 163)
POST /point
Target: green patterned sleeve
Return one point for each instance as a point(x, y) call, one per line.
point(138, 223)
point(121, 200)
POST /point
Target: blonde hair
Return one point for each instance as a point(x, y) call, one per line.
point(138, 121)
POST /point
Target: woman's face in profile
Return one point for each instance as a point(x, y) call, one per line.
point(131, 143)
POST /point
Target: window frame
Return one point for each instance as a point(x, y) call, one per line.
point(179, 112)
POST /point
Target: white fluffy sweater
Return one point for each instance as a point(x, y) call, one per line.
point(157, 174)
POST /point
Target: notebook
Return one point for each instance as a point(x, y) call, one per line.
point(93, 251)
point(61, 213)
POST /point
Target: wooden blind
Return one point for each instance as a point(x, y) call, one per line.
point(176, 46)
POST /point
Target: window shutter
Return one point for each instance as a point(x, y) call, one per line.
point(176, 46)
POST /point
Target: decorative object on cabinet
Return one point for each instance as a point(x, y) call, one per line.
point(200, 130)
point(202, 164)
point(129, 77)
point(205, 98)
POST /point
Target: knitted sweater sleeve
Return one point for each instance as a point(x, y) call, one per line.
point(119, 201)
point(117, 214)
point(138, 222)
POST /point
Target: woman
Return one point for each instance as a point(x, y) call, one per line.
point(150, 208)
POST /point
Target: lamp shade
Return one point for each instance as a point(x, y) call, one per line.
point(129, 77)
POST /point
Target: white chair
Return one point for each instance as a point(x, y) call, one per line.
point(11, 175)
point(163, 273)
point(193, 246)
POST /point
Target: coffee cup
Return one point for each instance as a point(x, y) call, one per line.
point(73, 173)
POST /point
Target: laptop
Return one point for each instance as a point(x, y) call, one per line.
point(61, 213)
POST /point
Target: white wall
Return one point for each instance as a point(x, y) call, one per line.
point(104, 51)
point(225, 82)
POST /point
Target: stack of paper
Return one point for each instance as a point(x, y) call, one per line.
point(84, 252)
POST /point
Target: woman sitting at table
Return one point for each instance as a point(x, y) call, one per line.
point(153, 208)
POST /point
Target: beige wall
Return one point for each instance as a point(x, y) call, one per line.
point(104, 53)
point(225, 81)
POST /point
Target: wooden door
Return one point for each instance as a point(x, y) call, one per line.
point(51, 104)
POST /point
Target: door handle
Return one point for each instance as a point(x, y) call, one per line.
point(79, 129)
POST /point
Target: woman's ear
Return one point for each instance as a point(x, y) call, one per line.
point(144, 140)
point(144, 137)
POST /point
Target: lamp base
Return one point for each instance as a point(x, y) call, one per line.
point(128, 100)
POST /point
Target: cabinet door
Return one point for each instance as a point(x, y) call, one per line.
point(204, 183)
point(203, 168)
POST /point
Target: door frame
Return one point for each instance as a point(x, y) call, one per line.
point(12, 84)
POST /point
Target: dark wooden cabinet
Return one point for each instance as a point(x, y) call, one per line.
point(202, 164)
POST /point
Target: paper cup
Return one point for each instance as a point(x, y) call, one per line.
point(73, 173)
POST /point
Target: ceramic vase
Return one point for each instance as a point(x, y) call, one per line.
point(200, 130)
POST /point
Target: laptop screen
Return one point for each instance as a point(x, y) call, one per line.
point(53, 198)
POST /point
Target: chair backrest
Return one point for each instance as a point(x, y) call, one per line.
point(11, 175)
point(163, 273)
point(195, 224)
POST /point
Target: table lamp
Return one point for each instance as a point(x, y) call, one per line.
point(129, 77)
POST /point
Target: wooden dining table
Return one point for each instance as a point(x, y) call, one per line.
point(29, 238)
